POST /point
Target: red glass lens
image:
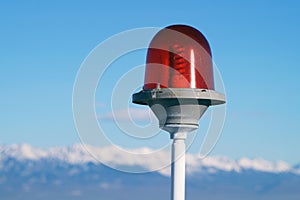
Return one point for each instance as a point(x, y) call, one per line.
point(179, 56)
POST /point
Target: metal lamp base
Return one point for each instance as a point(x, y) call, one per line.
point(178, 109)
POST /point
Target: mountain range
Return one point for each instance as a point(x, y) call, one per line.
point(72, 172)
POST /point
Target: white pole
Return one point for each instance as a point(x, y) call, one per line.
point(178, 167)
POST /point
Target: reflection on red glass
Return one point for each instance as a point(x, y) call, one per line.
point(179, 56)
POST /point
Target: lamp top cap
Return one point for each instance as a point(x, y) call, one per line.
point(179, 56)
point(189, 31)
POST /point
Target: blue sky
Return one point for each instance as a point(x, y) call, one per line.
point(255, 46)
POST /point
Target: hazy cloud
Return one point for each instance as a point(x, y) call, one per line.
point(129, 114)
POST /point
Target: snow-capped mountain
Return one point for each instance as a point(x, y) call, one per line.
point(78, 154)
point(71, 172)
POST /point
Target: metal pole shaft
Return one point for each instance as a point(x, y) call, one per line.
point(178, 167)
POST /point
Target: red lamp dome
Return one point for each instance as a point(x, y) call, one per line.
point(179, 56)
